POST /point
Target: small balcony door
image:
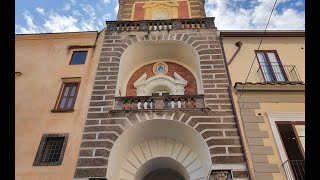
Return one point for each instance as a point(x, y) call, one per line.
point(293, 139)
point(271, 66)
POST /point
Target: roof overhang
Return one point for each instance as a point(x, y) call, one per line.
point(258, 33)
point(271, 87)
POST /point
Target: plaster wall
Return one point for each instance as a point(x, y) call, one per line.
point(263, 157)
point(291, 51)
point(43, 59)
point(262, 152)
point(276, 107)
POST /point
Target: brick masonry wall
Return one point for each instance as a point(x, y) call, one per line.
point(190, 89)
point(217, 126)
point(183, 10)
point(197, 9)
point(126, 9)
point(138, 13)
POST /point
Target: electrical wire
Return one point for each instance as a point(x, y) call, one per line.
point(274, 5)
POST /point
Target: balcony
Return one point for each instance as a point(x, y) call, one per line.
point(159, 103)
point(294, 169)
point(276, 73)
point(158, 25)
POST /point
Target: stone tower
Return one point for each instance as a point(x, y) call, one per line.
point(160, 106)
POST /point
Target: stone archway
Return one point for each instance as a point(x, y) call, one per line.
point(158, 152)
point(155, 140)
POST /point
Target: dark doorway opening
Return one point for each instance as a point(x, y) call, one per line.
point(293, 149)
point(163, 174)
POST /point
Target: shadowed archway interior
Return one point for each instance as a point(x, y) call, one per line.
point(161, 168)
point(163, 173)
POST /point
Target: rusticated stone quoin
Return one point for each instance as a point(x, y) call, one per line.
point(90, 172)
point(227, 159)
point(239, 174)
point(91, 162)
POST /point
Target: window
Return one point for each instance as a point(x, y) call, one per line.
point(292, 136)
point(271, 66)
point(51, 150)
point(67, 97)
point(78, 57)
point(288, 131)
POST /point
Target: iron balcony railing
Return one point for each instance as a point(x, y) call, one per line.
point(276, 73)
point(159, 102)
point(294, 169)
point(158, 25)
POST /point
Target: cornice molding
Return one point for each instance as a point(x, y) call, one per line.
point(91, 34)
point(255, 33)
point(269, 87)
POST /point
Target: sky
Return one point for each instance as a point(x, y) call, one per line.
point(51, 16)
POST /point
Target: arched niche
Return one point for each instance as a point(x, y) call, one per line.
point(146, 52)
point(157, 136)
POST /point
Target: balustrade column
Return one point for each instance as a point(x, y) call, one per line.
point(189, 103)
point(159, 102)
point(182, 100)
point(175, 105)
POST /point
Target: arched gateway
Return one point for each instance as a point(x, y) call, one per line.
point(159, 144)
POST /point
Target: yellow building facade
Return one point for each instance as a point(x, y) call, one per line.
point(269, 97)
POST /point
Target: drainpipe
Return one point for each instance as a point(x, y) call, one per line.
point(250, 173)
point(238, 44)
point(95, 42)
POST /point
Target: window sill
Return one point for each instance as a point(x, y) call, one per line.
point(77, 64)
point(61, 111)
point(47, 163)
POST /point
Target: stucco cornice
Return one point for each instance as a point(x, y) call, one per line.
point(257, 33)
point(90, 34)
point(269, 87)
